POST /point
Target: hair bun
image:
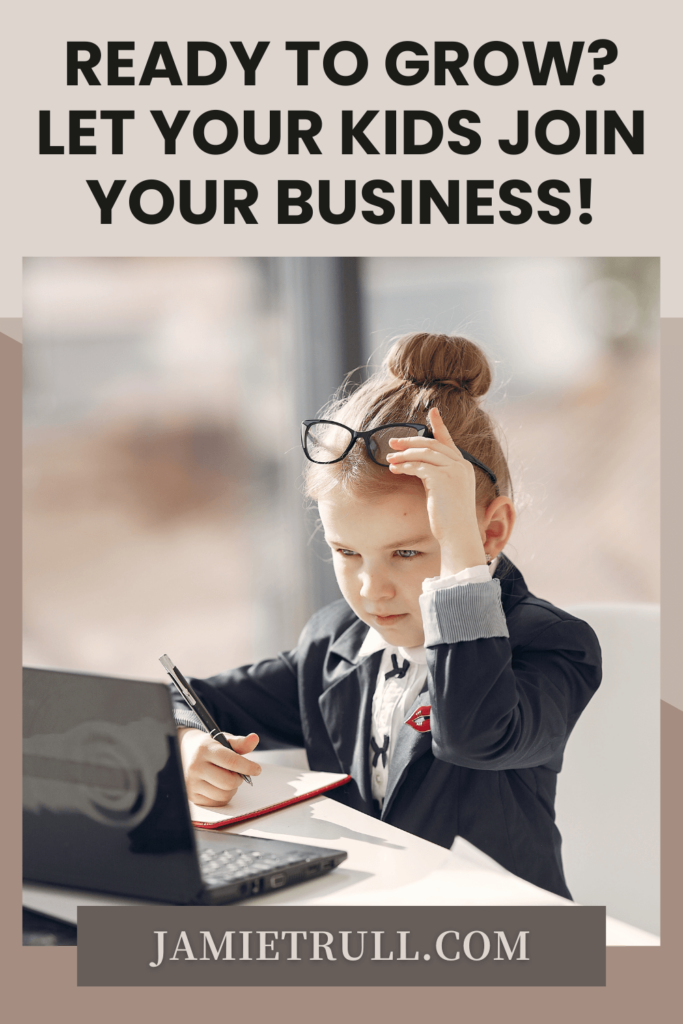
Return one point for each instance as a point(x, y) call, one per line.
point(427, 360)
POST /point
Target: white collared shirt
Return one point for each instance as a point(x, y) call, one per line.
point(401, 678)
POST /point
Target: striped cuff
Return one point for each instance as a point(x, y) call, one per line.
point(187, 720)
point(456, 613)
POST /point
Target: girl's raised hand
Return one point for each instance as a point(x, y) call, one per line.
point(449, 484)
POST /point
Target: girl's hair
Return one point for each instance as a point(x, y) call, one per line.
point(420, 371)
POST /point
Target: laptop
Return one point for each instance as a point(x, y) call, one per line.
point(105, 806)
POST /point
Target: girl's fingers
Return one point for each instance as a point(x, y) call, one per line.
point(413, 468)
point(205, 797)
point(409, 444)
point(427, 455)
point(243, 744)
point(218, 793)
point(220, 778)
point(439, 429)
point(230, 759)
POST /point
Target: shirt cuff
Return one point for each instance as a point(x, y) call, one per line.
point(188, 720)
point(477, 574)
point(453, 614)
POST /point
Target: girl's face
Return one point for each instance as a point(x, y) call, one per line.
point(382, 551)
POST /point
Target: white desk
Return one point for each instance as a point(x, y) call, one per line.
point(385, 866)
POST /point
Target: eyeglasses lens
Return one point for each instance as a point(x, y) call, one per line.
point(326, 442)
point(379, 442)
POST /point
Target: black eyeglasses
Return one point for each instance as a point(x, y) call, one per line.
point(326, 442)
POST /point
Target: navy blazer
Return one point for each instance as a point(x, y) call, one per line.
point(502, 710)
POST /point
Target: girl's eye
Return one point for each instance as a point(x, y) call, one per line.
point(407, 554)
point(346, 552)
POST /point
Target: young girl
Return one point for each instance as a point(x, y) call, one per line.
point(440, 684)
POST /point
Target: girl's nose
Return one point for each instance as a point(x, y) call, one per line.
point(376, 586)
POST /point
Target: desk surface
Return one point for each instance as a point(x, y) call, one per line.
point(385, 866)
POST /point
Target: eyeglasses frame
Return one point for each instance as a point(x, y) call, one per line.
point(365, 435)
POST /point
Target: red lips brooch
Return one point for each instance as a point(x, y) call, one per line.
point(419, 720)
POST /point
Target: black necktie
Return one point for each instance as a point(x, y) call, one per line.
point(396, 671)
point(380, 751)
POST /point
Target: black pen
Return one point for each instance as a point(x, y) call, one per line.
point(194, 703)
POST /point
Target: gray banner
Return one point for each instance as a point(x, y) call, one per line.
point(392, 946)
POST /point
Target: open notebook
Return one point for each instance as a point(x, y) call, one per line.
point(274, 788)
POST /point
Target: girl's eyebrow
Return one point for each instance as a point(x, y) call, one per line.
point(393, 546)
point(407, 544)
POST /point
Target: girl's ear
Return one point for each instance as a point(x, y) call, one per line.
point(497, 525)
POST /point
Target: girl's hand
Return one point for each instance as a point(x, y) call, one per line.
point(210, 768)
point(449, 483)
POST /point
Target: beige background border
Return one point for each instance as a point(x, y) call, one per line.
point(642, 983)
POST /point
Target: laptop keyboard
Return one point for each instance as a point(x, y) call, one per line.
point(220, 867)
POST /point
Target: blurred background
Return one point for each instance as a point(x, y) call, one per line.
point(163, 504)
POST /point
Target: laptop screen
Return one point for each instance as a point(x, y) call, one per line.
point(104, 798)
